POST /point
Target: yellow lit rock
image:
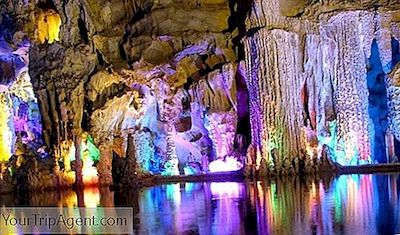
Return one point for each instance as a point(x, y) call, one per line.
point(48, 26)
point(5, 132)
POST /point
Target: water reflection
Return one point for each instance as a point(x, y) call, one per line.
point(89, 197)
point(349, 204)
point(190, 208)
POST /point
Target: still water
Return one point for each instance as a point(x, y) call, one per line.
point(349, 204)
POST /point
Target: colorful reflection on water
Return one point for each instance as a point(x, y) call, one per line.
point(349, 204)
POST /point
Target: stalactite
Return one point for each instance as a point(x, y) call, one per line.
point(256, 122)
point(384, 35)
point(19, 116)
point(144, 149)
point(350, 94)
point(167, 116)
point(217, 96)
point(274, 55)
point(171, 161)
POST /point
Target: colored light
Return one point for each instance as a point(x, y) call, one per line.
point(225, 189)
point(89, 154)
point(229, 164)
point(91, 197)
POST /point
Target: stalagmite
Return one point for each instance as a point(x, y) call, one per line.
point(104, 166)
point(78, 161)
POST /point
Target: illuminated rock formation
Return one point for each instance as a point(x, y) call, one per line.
point(343, 50)
point(165, 87)
point(276, 84)
point(146, 82)
point(307, 80)
point(6, 134)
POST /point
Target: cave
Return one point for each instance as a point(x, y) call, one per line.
point(101, 98)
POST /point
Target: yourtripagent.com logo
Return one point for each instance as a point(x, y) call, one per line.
point(50, 220)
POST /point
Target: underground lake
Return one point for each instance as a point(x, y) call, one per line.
point(346, 204)
point(200, 116)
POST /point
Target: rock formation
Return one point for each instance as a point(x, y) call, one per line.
point(145, 69)
point(136, 87)
point(307, 67)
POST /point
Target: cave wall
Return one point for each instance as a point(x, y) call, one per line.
point(20, 117)
point(133, 87)
point(307, 79)
point(104, 71)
